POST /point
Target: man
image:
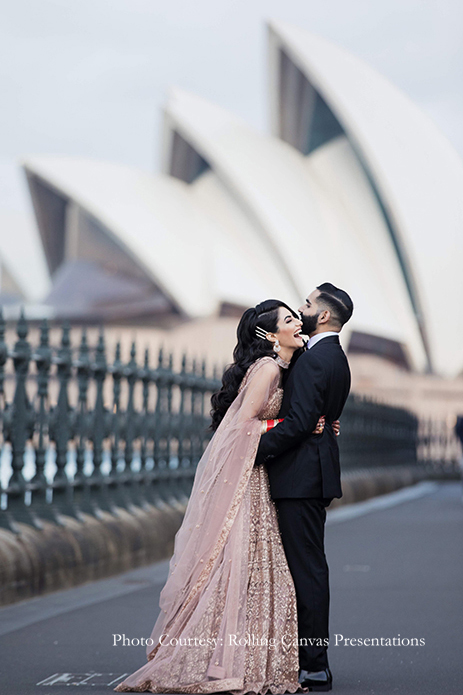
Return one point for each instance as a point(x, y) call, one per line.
point(304, 469)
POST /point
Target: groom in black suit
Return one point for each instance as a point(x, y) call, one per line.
point(304, 469)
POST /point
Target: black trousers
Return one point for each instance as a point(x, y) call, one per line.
point(302, 527)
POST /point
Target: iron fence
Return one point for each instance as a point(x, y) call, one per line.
point(140, 449)
point(374, 434)
point(85, 435)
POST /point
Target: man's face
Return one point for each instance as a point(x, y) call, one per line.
point(310, 312)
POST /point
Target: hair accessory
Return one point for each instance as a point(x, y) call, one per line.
point(261, 333)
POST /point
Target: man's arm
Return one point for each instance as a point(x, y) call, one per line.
point(304, 410)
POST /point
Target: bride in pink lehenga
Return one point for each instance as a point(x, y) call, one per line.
point(228, 619)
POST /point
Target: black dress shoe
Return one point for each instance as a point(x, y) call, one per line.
point(316, 681)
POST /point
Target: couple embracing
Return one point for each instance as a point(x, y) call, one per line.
point(245, 606)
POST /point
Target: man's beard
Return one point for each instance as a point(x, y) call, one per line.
point(309, 323)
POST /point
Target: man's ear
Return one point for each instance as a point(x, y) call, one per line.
point(325, 316)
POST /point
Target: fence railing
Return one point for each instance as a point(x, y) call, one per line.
point(374, 434)
point(135, 445)
point(83, 434)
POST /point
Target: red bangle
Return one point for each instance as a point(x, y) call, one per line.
point(273, 423)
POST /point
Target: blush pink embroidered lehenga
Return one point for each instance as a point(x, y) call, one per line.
point(228, 619)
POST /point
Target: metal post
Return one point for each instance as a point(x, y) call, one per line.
point(99, 488)
point(61, 431)
point(18, 429)
point(118, 479)
point(40, 505)
point(82, 494)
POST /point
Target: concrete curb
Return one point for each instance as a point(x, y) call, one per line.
point(37, 562)
point(371, 482)
point(366, 483)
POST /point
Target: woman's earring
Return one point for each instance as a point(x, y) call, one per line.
point(277, 346)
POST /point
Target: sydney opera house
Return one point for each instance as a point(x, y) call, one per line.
point(353, 184)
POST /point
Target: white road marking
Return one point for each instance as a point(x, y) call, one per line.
point(80, 679)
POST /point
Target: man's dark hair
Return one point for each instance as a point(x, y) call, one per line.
point(336, 301)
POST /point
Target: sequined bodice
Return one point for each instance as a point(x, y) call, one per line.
point(273, 406)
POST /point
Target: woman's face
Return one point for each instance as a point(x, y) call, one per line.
point(289, 328)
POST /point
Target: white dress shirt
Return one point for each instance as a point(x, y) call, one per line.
point(319, 336)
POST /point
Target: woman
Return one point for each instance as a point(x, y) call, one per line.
point(228, 618)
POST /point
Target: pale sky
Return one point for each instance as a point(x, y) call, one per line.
point(89, 77)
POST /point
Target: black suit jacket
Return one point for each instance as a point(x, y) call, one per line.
point(299, 463)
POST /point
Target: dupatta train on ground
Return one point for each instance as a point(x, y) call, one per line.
point(228, 574)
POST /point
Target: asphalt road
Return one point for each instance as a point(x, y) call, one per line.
point(396, 567)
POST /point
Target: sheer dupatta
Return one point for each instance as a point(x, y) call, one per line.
point(203, 603)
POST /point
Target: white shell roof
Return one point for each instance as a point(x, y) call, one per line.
point(417, 172)
point(159, 223)
point(20, 249)
point(304, 223)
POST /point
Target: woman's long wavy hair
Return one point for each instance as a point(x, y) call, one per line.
point(248, 349)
